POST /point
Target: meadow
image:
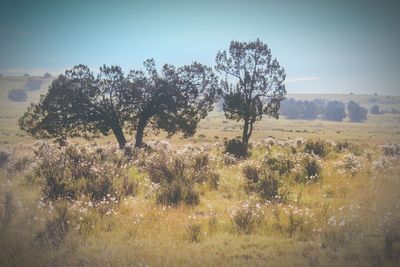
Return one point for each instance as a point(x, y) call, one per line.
point(312, 193)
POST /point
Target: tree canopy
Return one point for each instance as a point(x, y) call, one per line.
point(253, 85)
point(356, 112)
point(79, 103)
point(334, 111)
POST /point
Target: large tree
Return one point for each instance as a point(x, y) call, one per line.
point(80, 104)
point(174, 99)
point(254, 83)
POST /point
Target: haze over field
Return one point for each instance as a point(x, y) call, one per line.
point(325, 47)
point(199, 133)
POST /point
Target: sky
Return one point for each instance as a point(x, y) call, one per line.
point(325, 46)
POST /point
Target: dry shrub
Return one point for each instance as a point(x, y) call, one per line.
point(174, 177)
point(247, 217)
point(72, 170)
point(260, 180)
point(318, 147)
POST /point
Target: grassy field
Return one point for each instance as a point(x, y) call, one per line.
point(347, 215)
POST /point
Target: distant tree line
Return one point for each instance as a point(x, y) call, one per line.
point(323, 109)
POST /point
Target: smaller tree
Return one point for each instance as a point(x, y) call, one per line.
point(47, 75)
point(356, 112)
point(334, 111)
point(17, 95)
point(255, 86)
point(375, 110)
point(33, 84)
point(310, 111)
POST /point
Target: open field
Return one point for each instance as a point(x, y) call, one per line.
point(343, 212)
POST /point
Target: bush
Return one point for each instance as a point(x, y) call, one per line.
point(391, 150)
point(262, 181)
point(308, 168)
point(236, 147)
point(70, 171)
point(17, 95)
point(279, 163)
point(350, 163)
point(174, 177)
point(318, 147)
point(194, 231)
point(5, 157)
point(247, 217)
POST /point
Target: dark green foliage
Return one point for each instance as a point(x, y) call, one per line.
point(72, 171)
point(334, 111)
point(262, 181)
point(317, 147)
point(173, 175)
point(356, 112)
point(236, 147)
point(256, 86)
point(173, 100)
point(80, 104)
point(309, 170)
point(279, 163)
point(17, 95)
point(298, 109)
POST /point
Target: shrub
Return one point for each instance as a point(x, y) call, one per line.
point(17, 95)
point(174, 178)
point(262, 181)
point(5, 157)
point(194, 231)
point(308, 168)
point(318, 147)
point(70, 171)
point(247, 217)
point(391, 150)
point(236, 147)
point(350, 163)
point(279, 163)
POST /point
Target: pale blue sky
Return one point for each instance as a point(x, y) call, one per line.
point(325, 46)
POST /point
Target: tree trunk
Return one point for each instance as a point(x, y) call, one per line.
point(140, 132)
point(119, 134)
point(245, 132)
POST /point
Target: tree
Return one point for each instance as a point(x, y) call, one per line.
point(17, 95)
point(375, 110)
point(356, 112)
point(334, 111)
point(47, 75)
point(80, 104)
point(255, 86)
point(172, 100)
point(310, 111)
point(33, 84)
